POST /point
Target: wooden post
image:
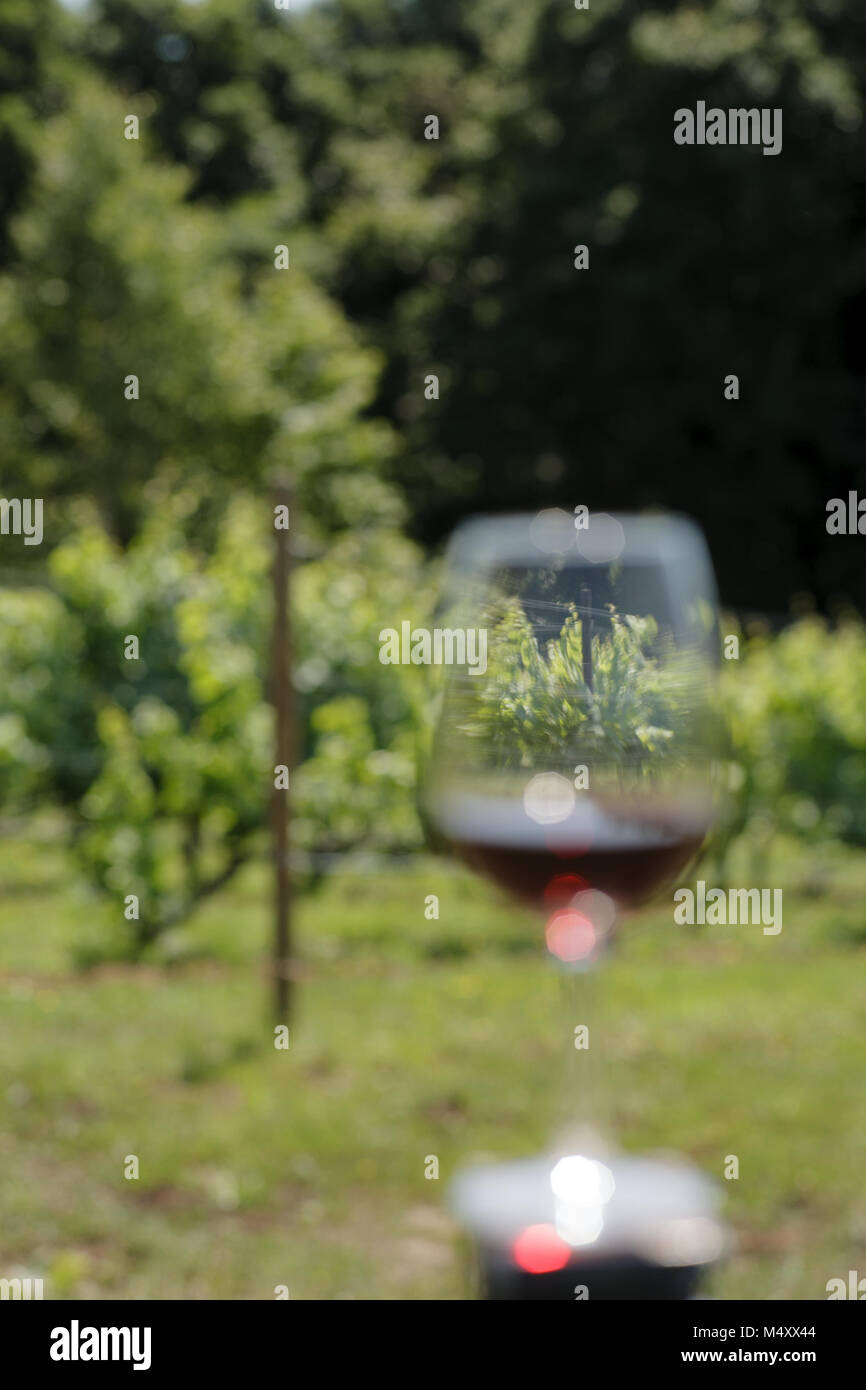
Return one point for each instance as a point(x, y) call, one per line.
point(586, 633)
point(283, 703)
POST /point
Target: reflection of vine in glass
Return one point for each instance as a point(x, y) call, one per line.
point(537, 697)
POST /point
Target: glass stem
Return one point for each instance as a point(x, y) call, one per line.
point(582, 1107)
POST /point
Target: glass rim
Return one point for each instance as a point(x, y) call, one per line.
point(505, 538)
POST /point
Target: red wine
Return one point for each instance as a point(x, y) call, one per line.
point(625, 855)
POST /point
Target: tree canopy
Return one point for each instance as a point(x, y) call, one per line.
point(456, 256)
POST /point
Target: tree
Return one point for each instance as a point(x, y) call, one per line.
point(457, 256)
point(27, 33)
point(138, 346)
point(606, 386)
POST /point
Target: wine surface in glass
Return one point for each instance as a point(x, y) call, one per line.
point(628, 856)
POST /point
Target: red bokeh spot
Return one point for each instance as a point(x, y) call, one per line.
point(539, 1250)
point(561, 889)
point(570, 935)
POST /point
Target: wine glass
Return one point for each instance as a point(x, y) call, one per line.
point(576, 765)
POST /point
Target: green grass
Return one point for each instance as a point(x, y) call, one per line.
point(305, 1167)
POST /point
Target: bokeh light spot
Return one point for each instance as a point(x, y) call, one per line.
point(561, 889)
point(570, 935)
point(548, 798)
point(539, 1250)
